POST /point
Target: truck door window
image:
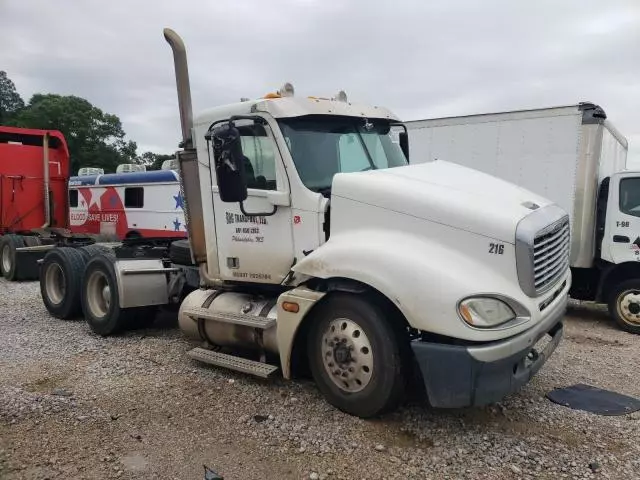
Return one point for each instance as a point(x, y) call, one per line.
point(73, 198)
point(630, 196)
point(134, 197)
point(258, 147)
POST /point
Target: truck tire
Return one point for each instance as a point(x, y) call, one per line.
point(354, 356)
point(90, 251)
point(31, 241)
point(61, 282)
point(180, 252)
point(624, 305)
point(8, 259)
point(101, 301)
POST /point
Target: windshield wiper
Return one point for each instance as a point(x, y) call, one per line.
point(366, 149)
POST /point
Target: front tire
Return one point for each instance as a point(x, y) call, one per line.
point(354, 356)
point(624, 305)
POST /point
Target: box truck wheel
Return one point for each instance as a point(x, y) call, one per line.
point(354, 356)
point(8, 263)
point(61, 281)
point(624, 305)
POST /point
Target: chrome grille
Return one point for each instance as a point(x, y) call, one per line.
point(542, 249)
point(550, 254)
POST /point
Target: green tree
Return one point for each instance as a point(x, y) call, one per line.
point(153, 161)
point(95, 138)
point(10, 100)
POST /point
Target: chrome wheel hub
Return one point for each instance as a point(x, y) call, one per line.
point(98, 294)
point(56, 283)
point(347, 355)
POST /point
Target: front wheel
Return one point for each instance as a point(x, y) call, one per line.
point(624, 305)
point(354, 356)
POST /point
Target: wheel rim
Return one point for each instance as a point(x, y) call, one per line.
point(56, 283)
point(98, 294)
point(6, 259)
point(628, 306)
point(347, 355)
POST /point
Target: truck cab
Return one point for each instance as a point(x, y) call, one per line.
point(292, 147)
point(320, 249)
point(620, 229)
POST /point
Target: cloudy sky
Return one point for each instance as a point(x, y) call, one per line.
point(421, 58)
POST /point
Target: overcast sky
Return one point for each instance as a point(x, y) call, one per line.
point(421, 59)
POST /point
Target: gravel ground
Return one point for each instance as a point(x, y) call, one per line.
point(73, 405)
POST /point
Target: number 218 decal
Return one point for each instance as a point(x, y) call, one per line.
point(496, 248)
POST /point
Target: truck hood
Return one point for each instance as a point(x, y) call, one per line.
point(444, 193)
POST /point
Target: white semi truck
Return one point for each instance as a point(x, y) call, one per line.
point(574, 156)
point(320, 250)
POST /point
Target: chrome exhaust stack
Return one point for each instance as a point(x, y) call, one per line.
point(187, 158)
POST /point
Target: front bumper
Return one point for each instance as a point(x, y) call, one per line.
point(462, 376)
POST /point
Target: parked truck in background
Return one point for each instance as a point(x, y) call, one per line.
point(574, 156)
point(34, 171)
point(319, 248)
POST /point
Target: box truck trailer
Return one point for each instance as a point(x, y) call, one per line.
point(319, 249)
point(574, 156)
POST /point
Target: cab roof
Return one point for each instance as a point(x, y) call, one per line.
point(288, 107)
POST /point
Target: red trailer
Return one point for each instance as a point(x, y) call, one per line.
point(34, 176)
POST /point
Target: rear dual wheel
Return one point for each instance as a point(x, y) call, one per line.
point(101, 300)
point(61, 276)
point(61, 280)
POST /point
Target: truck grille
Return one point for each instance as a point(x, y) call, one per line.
point(550, 254)
point(542, 249)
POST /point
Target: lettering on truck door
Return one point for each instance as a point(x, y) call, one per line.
point(257, 248)
point(622, 232)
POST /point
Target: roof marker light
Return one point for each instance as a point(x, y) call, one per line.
point(341, 96)
point(286, 90)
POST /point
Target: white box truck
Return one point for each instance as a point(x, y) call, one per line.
point(319, 248)
point(574, 156)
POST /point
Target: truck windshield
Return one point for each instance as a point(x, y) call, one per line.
point(322, 146)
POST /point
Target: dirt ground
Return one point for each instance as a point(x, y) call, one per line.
point(77, 406)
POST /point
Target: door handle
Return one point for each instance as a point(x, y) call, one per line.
point(621, 239)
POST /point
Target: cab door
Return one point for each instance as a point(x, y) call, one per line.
point(256, 245)
point(621, 240)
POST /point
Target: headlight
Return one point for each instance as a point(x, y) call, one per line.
point(485, 312)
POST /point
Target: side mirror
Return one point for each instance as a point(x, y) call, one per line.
point(403, 137)
point(229, 163)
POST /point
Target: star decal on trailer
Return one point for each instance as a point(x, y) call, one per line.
point(176, 224)
point(179, 200)
point(95, 197)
